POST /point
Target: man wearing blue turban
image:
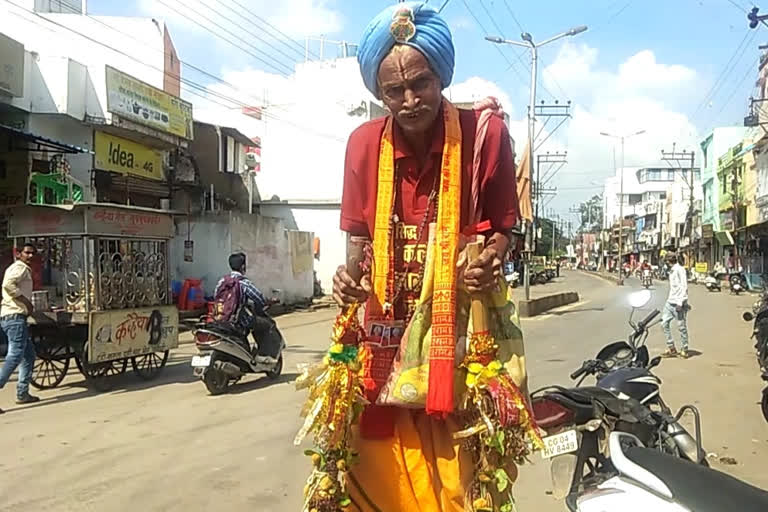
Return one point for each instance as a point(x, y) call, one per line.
point(416, 182)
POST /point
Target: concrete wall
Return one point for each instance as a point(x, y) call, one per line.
point(273, 261)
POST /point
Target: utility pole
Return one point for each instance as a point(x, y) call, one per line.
point(679, 158)
point(539, 184)
point(527, 42)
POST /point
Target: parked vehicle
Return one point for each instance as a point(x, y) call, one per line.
point(759, 315)
point(226, 355)
point(712, 282)
point(632, 478)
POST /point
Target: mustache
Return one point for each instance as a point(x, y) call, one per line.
point(415, 111)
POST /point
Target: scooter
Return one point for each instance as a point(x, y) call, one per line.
point(712, 283)
point(634, 478)
point(226, 355)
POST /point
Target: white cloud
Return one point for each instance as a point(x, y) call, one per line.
point(638, 94)
point(476, 88)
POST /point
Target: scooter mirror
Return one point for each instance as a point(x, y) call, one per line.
point(656, 361)
point(639, 299)
point(747, 316)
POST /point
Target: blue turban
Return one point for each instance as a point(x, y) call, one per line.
point(432, 38)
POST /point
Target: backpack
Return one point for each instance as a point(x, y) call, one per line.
point(227, 300)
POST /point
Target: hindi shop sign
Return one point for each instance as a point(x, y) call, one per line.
point(126, 333)
point(116, 221)
point(140, 102)
point(124, 156)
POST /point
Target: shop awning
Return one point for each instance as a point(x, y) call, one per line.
point(724, 238)
point(39, 143)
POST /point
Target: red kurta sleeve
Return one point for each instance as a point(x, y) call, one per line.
point(360, 166)
point(499, 192)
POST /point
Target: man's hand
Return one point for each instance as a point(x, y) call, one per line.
point(482, 273)
point(346, 291)
point(27, 304)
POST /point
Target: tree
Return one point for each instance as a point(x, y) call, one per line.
point(544, 242)
point(591, 212)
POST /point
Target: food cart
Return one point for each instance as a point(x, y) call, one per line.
point(105, 297)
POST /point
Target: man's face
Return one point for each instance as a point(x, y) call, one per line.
point(410, 89)
point(26, 254)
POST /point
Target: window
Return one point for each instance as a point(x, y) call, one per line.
point(230, 155)
point(635, 199)
point(662, 195)
point(654, 175)
point(670, 175)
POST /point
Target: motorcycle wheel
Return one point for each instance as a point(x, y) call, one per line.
point(216, 381)
point(764, 404)
point(277, 370)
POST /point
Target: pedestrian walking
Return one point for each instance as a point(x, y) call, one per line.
point(676, 308)
point(16, 307)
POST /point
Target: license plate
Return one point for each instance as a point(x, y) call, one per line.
point(201, 361)
point(565, 442)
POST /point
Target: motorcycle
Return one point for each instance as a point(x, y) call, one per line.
point(646, 278)
point(737, 282)
point(626, 398)
point(633, 478)
point(226, 355)
point(759, 315)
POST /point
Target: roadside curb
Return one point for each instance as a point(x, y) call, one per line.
point(533, 307)
point(603, 276)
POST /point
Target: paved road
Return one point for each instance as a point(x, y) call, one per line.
point(169, 446)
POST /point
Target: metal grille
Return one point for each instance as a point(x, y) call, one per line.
point(131, 273)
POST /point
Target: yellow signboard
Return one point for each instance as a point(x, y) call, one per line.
point(702, 267)
point(127, 157)
point(137, 101)
point(123, 333)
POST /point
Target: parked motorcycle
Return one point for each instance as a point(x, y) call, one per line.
point(759, 315)
point(626, 398)
point(226, 355)
point(633, 478)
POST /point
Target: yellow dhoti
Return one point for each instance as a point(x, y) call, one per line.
point(420, 469)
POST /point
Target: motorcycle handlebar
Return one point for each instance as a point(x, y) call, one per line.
point(645, 321)
point(581, 371)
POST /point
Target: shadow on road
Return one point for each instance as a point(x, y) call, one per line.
point(576, 310)
point(261, 383)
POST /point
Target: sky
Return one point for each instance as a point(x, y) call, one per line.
point(675, 69)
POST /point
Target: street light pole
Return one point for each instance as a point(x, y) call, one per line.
point(527, 42)
point(620, 282)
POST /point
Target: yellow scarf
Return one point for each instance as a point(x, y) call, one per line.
point(441, 355)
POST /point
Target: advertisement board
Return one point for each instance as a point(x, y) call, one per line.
point(144, 104)
point(124, 156)
point(126, 333)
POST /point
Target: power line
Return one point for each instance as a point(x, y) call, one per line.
point(504, 55)
point(208, 29)
point(301, 49)
point(739, 84)
point(716, 85)
point(443, 6)
point(183, 80)
point(511, 13)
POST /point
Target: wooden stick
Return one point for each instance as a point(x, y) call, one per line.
point(479, 319)
point(355, 256)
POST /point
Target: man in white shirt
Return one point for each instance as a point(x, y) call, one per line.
point(676, 307)
point(16, 307)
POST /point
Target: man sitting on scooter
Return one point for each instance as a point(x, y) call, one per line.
point(253, 317)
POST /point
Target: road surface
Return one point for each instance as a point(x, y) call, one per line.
point(168, 446)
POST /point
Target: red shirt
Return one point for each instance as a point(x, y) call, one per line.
point(498, 192)
point(498, 187)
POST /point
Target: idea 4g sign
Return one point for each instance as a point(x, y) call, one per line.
point(127, 157)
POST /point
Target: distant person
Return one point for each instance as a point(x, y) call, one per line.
point(676, 307)
point(16, 307)
point(260, 323)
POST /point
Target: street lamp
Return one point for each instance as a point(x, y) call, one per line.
point(527, 42)
point(621, 198)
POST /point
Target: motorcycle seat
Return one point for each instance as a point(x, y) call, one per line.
point(588, 394)
point(697, 487)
